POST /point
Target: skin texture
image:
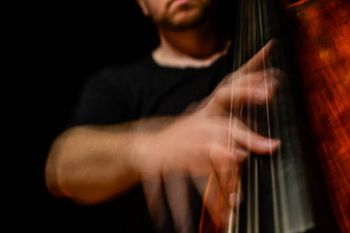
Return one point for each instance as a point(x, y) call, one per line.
point(176, 15)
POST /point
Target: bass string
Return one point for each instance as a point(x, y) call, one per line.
point(252, 210)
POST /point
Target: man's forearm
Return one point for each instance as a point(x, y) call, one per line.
point(91, 164)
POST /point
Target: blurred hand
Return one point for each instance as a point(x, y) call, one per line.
point(208, 142)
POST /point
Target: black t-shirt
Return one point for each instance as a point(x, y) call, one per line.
point(143, 89)
point(146, 89)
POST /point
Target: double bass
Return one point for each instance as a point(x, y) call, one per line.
point(305, 187)
point(322, 36)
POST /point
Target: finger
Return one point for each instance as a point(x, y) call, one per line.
point(259, 60)
point(240, 79)
point(218, 191)
point(227, 168)
point(236, 197)
point(223, 181)
point(155, 201)
point(254, 142)
point(235, 201)
point(214, 203)
point(256, 93)
point(260, 77)
point(177, 190)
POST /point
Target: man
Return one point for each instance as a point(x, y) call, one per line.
point(165, 122)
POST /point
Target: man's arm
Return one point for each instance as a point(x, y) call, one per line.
point(91, 164)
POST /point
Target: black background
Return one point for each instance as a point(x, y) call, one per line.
point(52, 50)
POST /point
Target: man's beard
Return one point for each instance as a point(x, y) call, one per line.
point(177, 20)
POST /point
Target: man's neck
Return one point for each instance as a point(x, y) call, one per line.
point(192, 48)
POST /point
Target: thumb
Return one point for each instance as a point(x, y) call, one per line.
point(259, 60)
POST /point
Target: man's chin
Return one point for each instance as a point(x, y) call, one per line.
point(184, 20)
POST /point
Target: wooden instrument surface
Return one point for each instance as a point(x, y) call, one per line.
point(322, 43)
